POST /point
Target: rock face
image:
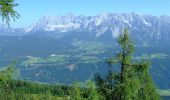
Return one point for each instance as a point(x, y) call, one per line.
point(157, 27)
point(145, 25)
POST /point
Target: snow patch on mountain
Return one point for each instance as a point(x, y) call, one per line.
point(147, 25)
point(65, 27)
point(98, 24)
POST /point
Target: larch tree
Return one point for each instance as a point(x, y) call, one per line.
point(133, 82)
point(7, 11)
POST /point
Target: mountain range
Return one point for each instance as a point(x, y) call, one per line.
point(152, 26)
point(64, 49)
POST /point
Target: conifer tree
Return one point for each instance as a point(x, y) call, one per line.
point(7, 11)
point(133, 82)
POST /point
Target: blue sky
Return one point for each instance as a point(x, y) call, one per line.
point(32, 10)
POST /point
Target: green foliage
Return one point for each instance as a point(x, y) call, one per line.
point(8, 72)
point(92, 92)
point(76, 92)
point(7, 10)
point(133, 82)
point(24, 90)
point(6, 75)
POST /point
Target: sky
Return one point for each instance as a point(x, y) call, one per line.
point(32, 10)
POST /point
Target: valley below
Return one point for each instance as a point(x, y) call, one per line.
point(69, 59)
